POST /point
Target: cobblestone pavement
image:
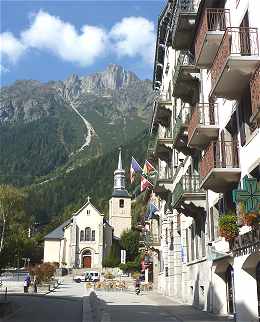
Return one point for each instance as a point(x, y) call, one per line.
point(148, 307)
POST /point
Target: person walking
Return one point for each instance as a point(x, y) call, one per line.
point(35, 284)
point(26, 283)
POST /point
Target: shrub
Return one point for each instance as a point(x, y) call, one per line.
point(228, 227)
point(43, 272)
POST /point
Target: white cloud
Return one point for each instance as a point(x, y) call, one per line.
point(134, 36)
point(131, 37)
point(10, 47)
point(61, 38)
point(3, 69)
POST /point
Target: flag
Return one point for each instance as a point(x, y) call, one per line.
point(152, 209)
point(145, 183)
point(135, 168)
point(149, 169)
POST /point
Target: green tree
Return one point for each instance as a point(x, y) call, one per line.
point(130, 242)
point(11, 202)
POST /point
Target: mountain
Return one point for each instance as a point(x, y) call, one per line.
point(58, 126)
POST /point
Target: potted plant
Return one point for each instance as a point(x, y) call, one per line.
point(228, 227)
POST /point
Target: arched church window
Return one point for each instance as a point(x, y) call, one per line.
point(88, 234)
point(93, 235)
point(121, 203)
point(81, 235)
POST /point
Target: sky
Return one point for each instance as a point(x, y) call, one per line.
point(50, 40)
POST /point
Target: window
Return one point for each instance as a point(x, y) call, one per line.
point(81, 235)
point(166, 236)
point(121, 203)
point(93, 235)
point(88, 212)
point(87, 234)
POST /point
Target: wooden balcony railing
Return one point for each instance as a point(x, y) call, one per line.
point(219, 155)
point(238, 41)
point(164, 133)
point(203, 114)
point(213, 20)
point(188, 184)
point(255, 91)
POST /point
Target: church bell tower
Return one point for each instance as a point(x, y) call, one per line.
point(120, 203)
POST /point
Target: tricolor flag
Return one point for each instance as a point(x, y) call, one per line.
point(149, 169)
point(151, 210)
point(135, 168)
point(145, 184)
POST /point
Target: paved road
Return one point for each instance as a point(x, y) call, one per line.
point(65, 305)
point(150, 307)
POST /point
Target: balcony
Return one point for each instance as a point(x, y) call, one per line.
point(187, 189)
point(219, 167)
point(237, 58)
point(179, 136)
point(203, 125)
point(209, 35)
point(255, 96)
point(148, 239)
point(164, 135)
point(184, 24)
point(163, 112)
point(185, 78)
point(165, 173)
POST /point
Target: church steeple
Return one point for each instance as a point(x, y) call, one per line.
point(119, 178)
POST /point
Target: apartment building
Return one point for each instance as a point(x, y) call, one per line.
point(205, 143)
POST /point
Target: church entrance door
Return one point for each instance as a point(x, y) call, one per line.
point(87, 261)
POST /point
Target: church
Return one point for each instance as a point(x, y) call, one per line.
point(86, 238)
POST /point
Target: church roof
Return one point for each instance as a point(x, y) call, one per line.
point(58, 233)
point(121, 193)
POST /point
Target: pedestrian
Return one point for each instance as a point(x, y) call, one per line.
point(26, 283)
point(35, 284)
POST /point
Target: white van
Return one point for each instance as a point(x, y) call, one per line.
point(92, 276)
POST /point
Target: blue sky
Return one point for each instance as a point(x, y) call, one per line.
point(49, 40)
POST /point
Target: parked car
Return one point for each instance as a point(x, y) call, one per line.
point(89, 276)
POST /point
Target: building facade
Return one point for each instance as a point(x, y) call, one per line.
point(81, 242)
point(205, 142)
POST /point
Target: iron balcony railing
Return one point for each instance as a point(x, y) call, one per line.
point(149, 239)
point(238, 41)
point(165, 172)
point(181, 121)
point(185, 59)
point(164, 133)
point(220, 154)
point(188, 184)
point(213, 20)
point(203, 114)
point(182, 6)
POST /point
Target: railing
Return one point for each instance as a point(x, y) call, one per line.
point(219, 155)
point(204, 114)
point(240, 41)
point(185, 59)
point(181, 121)
point(165, 172)
point(149, 239)
point(212, 20)
point(187, 184)
point(164, 133)
point(255, 91)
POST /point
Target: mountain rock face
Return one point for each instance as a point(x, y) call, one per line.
point(47, 126)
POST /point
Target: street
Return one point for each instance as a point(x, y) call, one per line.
point(62, 305)
point(65, 305)
point(148, 307)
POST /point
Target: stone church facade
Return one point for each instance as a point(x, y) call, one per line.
point(86, 238)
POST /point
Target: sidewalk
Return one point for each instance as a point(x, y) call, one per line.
point(184, 312)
